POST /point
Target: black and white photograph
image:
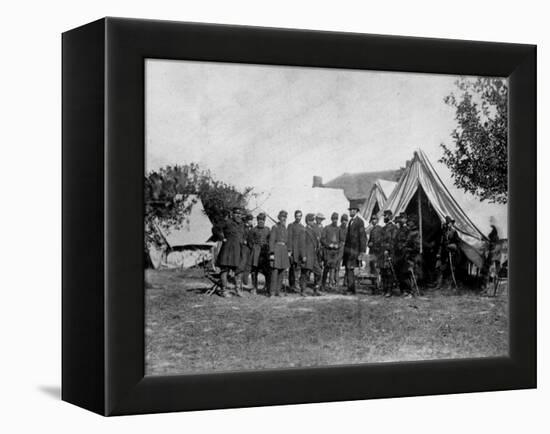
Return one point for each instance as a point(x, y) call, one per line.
point(313, 217)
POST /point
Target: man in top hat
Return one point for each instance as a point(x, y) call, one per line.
point(400, 262)
point(231, 232)
point(309, 256)
point(355, 245)
point(376, 251)
point(385, 263)
point(279, 253)
point(259, 237)
point(296, 233)
point(448, 255)
point(331, 243)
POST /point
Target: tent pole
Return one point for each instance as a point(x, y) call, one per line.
point(419, 218)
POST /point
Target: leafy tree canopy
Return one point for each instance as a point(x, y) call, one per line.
point(479, 159)
point(167, 192)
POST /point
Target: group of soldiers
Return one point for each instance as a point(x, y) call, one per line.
point(313, 253)
point(396, 256)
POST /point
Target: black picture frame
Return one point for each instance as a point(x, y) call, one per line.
point(103, 171)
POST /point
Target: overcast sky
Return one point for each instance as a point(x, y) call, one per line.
point(277, 126)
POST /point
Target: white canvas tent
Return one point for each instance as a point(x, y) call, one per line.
point(377, 198)
point(187, 245)
point(306, 199)
point(420, 191)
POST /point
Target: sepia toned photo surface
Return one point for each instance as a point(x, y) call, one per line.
point(308, 217)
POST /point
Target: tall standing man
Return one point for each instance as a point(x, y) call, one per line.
point(386, 261)
point(354, 246)
point(343, 232)
point(448, 255)
point(246, 251)
point(260, 252)
point(296, 233)
point(318, 228)
point(376, 250)
point(309, 256)
point(400, 257)
point(231, 233)
point(331, 243)
point(278, 253)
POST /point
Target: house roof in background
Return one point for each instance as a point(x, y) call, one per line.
point(358, 185)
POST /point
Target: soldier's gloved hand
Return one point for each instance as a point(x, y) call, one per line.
point(290, 254)
point(271, 256)
point(304, 259)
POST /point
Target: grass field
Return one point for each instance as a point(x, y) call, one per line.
point(187, 332)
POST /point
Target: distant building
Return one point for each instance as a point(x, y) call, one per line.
point(357, 186)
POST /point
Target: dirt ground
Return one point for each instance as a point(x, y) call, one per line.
point(188, 332)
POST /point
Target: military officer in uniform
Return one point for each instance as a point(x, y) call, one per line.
point(319, 218)
point(279, 253)
point(331, 243)
point(413, 254)
point(376, 250)
point(309, 256)
point(386, 261)
point(259, 238)
point(231, 233)
point(343, 232)
point(400, 263)
point(448, 255)
point(318, 228)
point(355, 245)
point(246, 251)
point(296, 233)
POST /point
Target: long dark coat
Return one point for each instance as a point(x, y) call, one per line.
point(376, 239)
point(296, 233)
point(343, 234)
point(232, 231)
point(309, 252)
point(259, 239)
point(278, 246)
point(331, 242)
point(356, 242)
point(389, 231)
point(246, 250)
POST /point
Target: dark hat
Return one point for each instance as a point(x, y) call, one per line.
point(282, 213)
point(310, 216)
point(320, 216)
point(248, 217)
point(344, 217)
point(334, 216)
point(448, 219)
point(402, 215)
point(374, 216)
point(261, 216)
point(388, 212)
point(297, 212)
point(354, 204)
